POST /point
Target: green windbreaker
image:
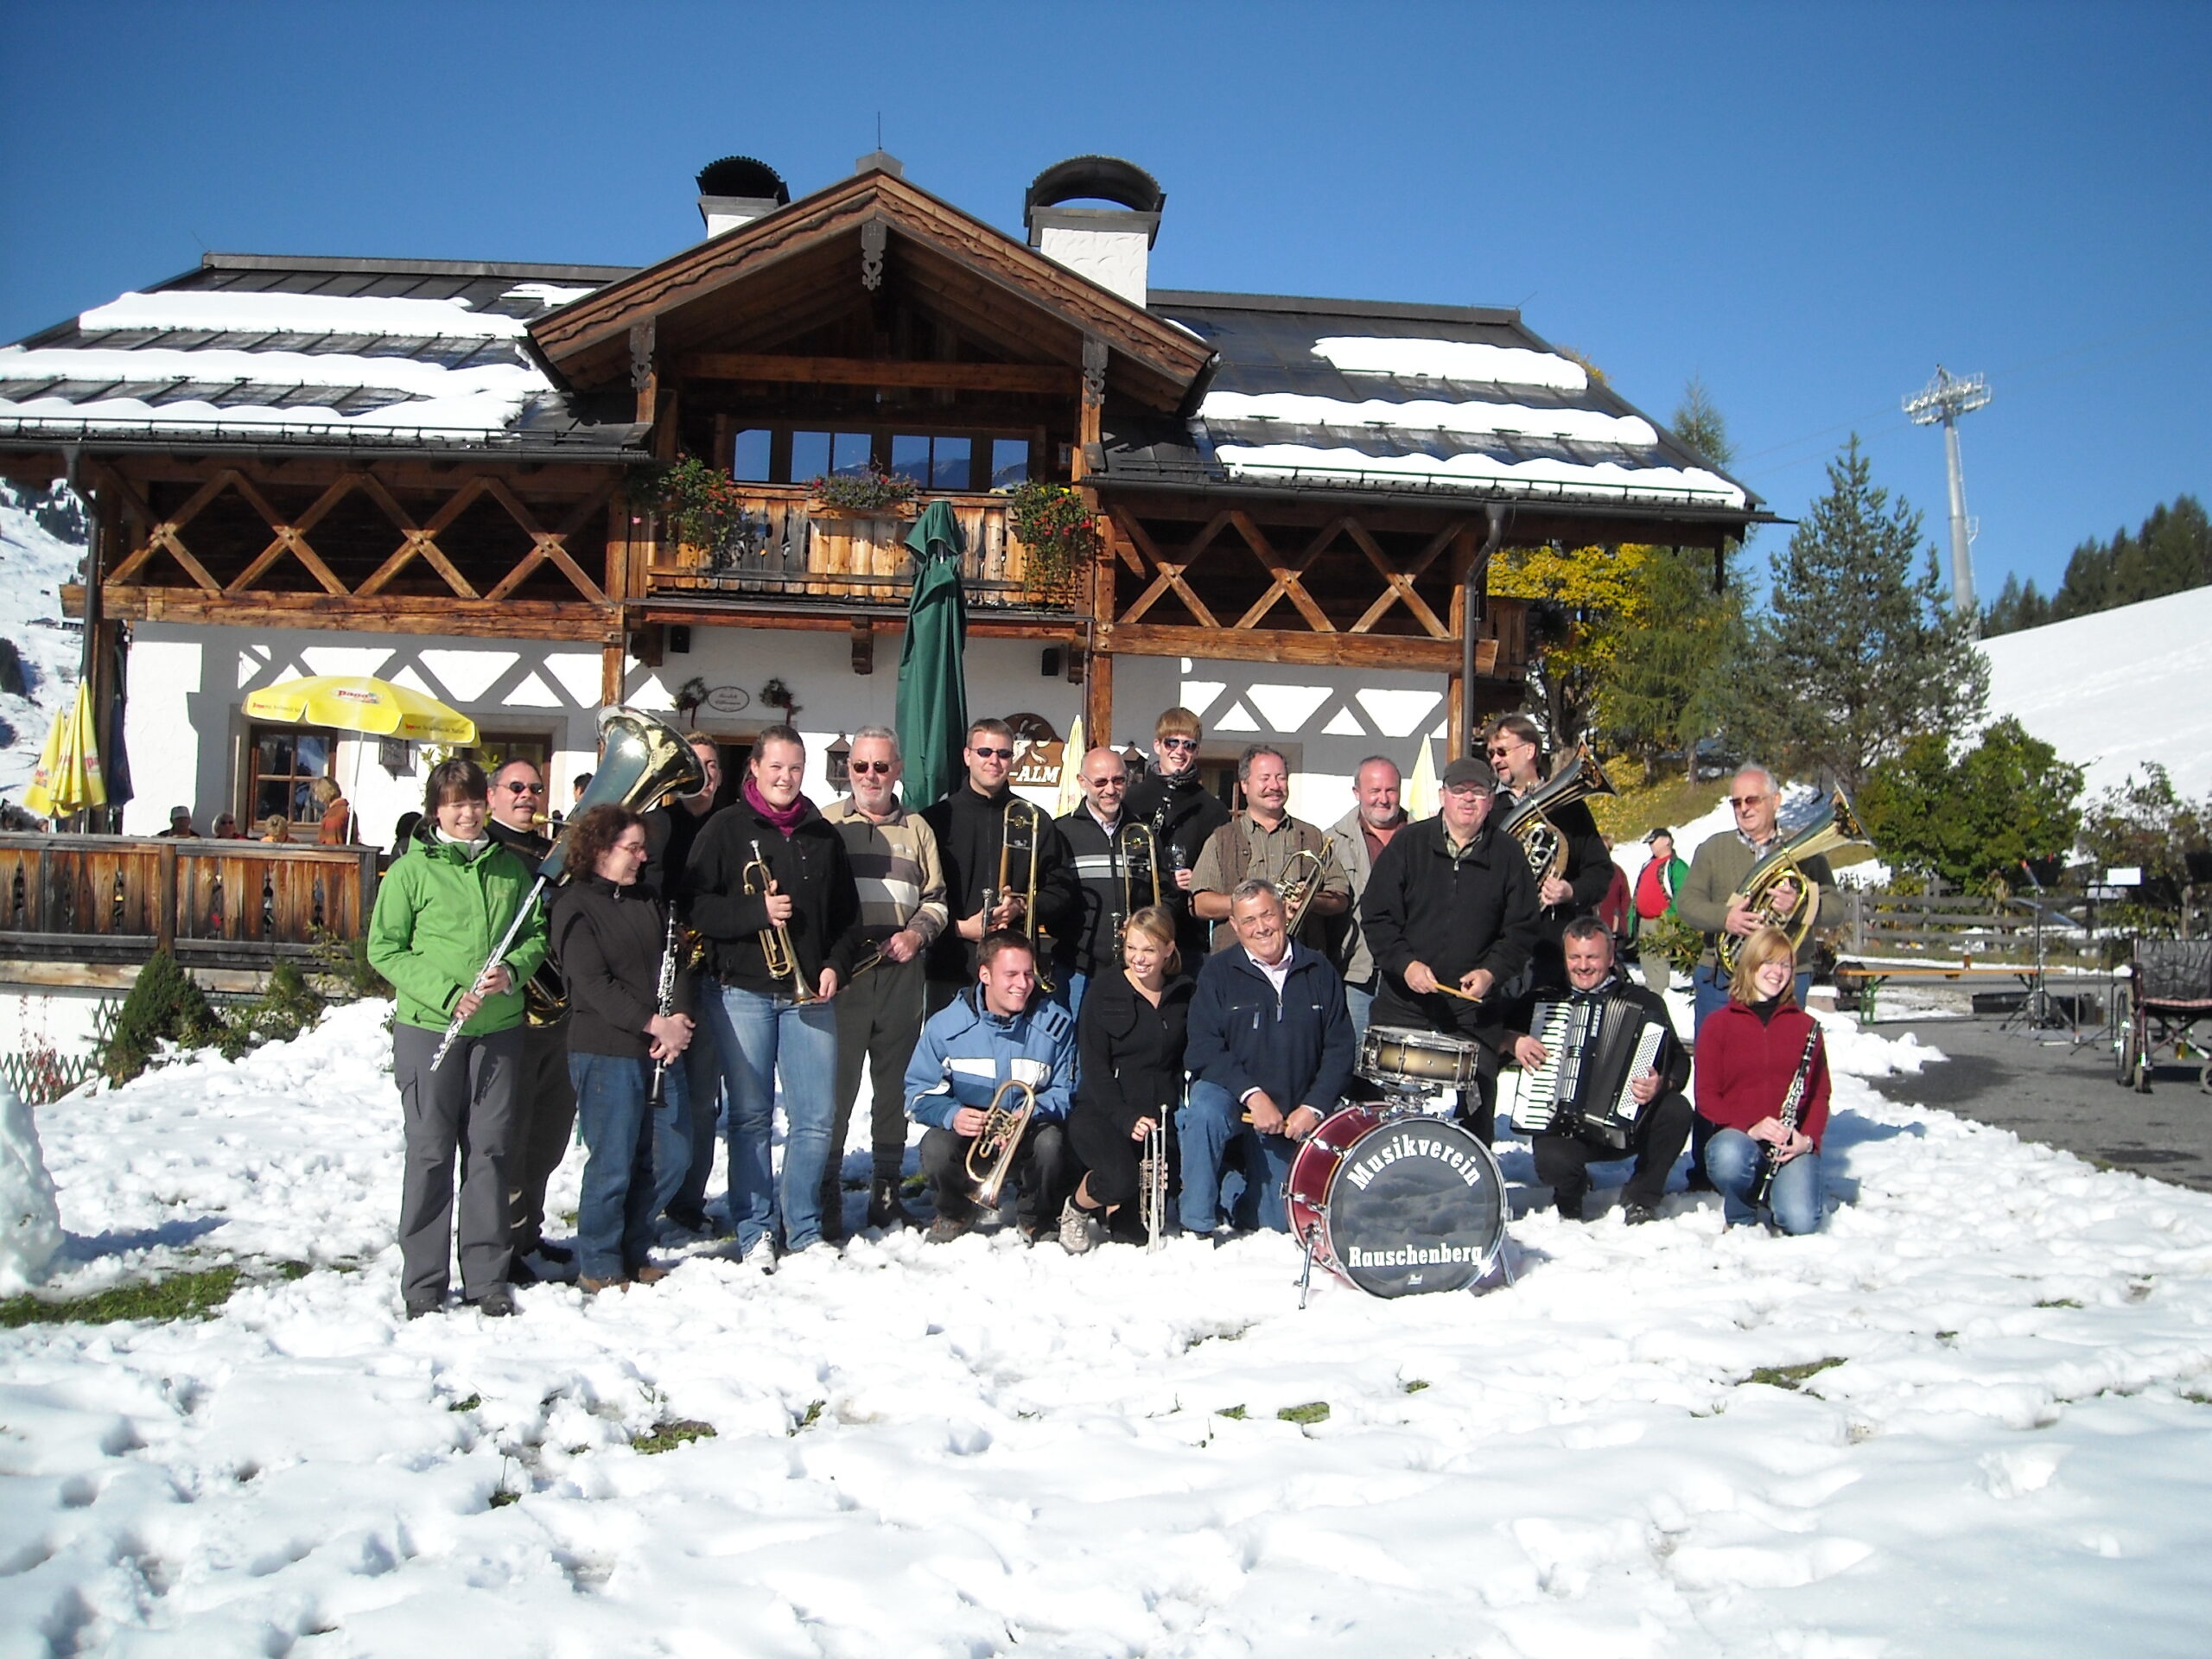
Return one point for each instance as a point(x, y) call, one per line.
point(438, 915)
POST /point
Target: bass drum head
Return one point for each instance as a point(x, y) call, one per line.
point(1415, 1205)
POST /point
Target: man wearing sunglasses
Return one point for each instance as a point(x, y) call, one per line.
point(1183, 812)
point(901, 886)
point(1095, 833)
point(969, 824)
point(545, 1100)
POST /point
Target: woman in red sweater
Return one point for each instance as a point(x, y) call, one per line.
point(1747, 1054)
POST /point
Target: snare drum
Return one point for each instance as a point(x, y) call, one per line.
point(1398, 1205)
point(1398, 1057)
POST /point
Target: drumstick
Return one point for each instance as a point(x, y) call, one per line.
point(1454, 990)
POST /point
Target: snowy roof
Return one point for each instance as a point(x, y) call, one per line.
point(1337, 394)
point(319, 351)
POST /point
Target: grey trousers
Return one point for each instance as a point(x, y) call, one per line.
point(545, 1115)
point(878, 1020)
point(463, 1115)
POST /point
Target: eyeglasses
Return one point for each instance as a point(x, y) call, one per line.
point(525, 789)
point(1745, 803)
point(992, 754)
point(1498, 752)
point(1179, 742)
point(881, 768)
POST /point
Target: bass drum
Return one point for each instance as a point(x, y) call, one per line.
point(1398, 1205)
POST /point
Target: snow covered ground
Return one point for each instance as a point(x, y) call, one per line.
point(32, 567)
point(969, 1449)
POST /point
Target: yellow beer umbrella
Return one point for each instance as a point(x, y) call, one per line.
point(358, 702)
point(67, 777)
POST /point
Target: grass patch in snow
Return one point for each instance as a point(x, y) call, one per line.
point(1413, 1386)
point(813, 1416)
point(666, 1437)
point(501, 1498)
point(1789, 1376)
point(469, 1404)
point(181, 1296)
point(2060, 1301)
point(1235, 1412)
point(1313, 1411)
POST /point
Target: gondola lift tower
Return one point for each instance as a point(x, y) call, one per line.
point(1945, 399)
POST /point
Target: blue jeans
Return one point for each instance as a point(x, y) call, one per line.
point(702, 1106)
point(1220, 1154)
point(1732, 1160)
point(758, 1034)
point(1360, 1000)
point(636, 1157)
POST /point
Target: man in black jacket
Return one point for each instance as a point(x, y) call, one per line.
point(1096, 834)
point(1270, 1046)
point(1516, 752)
point(773, 1016)
point(1663, 1121)
point(1451, 903)
point(1183, 812)
point(970, 825)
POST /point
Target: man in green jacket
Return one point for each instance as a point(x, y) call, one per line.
point(441, 911)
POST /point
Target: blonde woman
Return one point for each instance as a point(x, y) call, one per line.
point(1749, 1053)
point(1129, 1040)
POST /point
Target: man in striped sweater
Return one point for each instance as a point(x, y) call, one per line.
point(901, 881)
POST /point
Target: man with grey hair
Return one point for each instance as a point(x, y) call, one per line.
point(901, 886)
point(1096, 835)
point(1263, 842)
point(1357, 840)
point(1711, 896)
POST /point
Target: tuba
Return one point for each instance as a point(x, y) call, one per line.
point(1837, 825)
point(641, 759)
point(1540, 840)
point(990, 1154)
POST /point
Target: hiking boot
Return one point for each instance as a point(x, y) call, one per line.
point(497, 1303)
point(417, 1308)
point(945, 1229)
point(1080, 1228)
point(1568, 1209)
point(1635, 1215)
point(648, 1274)
point(592, 1286)
point(884, 1211)
point(519, 1271)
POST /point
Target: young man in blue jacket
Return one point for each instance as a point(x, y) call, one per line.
point(1270, 1041)
point(994, 1033)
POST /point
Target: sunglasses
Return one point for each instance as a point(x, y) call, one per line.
point(881, 768)
point(1109, 783)
point(1744, 803)
point(1179, 742)
point(525, 789)
point(992, 754)
point(1499, 752)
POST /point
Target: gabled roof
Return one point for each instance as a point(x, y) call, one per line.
point(1335, 395)
point(804, 260)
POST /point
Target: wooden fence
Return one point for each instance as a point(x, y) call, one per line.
point(105, 901)
point(1959, 928)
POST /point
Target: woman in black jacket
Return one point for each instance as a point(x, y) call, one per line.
point(1129, 1041)
point(610, 936)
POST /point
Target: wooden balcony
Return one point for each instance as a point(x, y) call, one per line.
point(88, 909)
point(791, 547)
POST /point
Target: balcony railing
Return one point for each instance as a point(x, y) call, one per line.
point(790, 546)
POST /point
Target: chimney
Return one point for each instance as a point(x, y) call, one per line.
point(736, 190)
point(1110, 245)
point(881, 161)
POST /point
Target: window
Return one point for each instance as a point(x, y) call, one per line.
point(1009, 462)
point(935, 463)
point(285, 761)
point(749, 460)
point(494, 749)
point(824, 453)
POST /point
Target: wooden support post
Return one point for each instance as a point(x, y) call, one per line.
point(165, 900)
point(1098, 700)
point(863, 646)
point(611, 669)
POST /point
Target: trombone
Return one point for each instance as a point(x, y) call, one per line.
point(1140, 875)
point(997, 1141)
point(776, 952)
point(1021, 829)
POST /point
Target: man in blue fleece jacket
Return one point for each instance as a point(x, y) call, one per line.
point(988, 1035)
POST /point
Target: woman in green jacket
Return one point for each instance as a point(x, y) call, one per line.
point(443, 907)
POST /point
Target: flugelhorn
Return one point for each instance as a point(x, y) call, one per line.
point(1301, 880)
point(990, 1154)
point(640, 759)
point(1540, 840)
point(777, 955)
point(1836, 825)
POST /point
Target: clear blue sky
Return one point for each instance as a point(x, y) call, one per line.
point(1808, 207)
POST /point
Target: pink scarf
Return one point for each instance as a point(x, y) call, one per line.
point(785, 819)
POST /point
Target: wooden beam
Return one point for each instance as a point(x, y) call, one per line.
point(610, 671)
point(1048, 379)
point(377, 614)
point(1401, 583)
point(1272, 646)
point(1098, 700)
point(863, 646)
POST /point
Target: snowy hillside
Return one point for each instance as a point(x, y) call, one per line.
point(2112, 690)
point(1968, 1417)
point(32, 567)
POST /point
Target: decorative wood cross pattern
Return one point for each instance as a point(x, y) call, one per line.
point(1135, 546)
point(165, 534)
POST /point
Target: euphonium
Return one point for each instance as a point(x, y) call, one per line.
point(775, 952)
point(1021, 828)
point(1301, 880)
point(1540, 838)
point(1836, 826)
point(990, 1154)
point(1140, 875)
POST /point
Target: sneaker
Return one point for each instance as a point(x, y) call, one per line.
point(885, 1211)
point(497, 1303)
point(592, 1286)
point(1080, 1228)
point(648, 1274)
point(945, 1229)
point(1635, 1215)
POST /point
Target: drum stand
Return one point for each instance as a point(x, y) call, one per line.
point(1306, 1277)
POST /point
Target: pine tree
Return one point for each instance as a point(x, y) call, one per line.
point(1858, 655)
point(1973, 819)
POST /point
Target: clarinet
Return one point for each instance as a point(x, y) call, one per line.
point(664, 1003)
point(1792, 1104)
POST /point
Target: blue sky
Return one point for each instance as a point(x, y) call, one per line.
point(1807, 206)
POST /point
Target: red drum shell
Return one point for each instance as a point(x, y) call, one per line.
point(1429, 1215)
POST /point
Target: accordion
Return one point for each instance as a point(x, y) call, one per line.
point(1594, 1047)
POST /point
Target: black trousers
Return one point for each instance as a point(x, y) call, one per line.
point(1111, 1158)
point(1478, 1114)
point(546, 1116)
point(1563, 1161)
point(1043, 1169)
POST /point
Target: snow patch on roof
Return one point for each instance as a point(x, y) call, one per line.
point(1542, 475)
point(1580, 425)
point(231, 310)
point(1452, 359)
point(547, 293)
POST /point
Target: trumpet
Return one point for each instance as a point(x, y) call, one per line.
point(1301, 880)
point(776, 952)
point(1152, 1195)
point(990, 1154)
point(1140, 875)
point(1022, 829)
point(1837, 825)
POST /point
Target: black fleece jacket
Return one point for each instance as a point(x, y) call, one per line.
point(1478, 909)
point(809, 865)
point(970, 829)
point(609, 941)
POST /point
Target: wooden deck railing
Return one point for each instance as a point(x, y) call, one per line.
point(790, 545)
point(216, 904)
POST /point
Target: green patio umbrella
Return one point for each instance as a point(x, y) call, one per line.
point(933, 672)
